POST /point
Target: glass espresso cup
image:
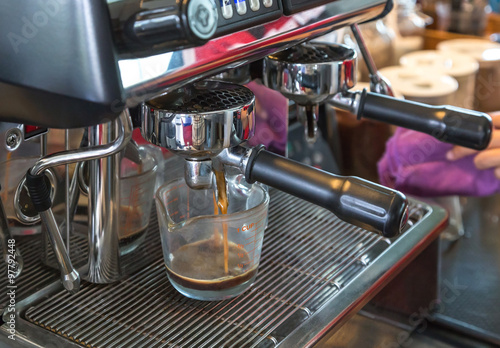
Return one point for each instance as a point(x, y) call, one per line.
point(212, 257)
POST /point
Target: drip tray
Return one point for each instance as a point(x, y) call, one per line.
point(315, 272)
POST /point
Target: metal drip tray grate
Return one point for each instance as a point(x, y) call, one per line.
point(303, 266)
point(36, 275)
point(144, 249)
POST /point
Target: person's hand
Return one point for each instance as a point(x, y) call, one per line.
point(485, 159)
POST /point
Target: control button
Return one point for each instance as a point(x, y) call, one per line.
point(254, 5)
point(241, 6)
point(202, 18)
point(226, 9)
point(267, 3)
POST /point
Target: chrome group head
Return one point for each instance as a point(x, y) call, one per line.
point(310, 74)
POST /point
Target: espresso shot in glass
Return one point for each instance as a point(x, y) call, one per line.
point(208, 255)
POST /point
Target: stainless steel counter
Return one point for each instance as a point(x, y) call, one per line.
point(471, 272)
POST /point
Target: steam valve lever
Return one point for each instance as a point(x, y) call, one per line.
point(377, 83)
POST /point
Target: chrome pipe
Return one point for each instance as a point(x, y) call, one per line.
point(67, 191)
point(43, 145)
point(69, 276)
point(86, 154)
point(104, 202)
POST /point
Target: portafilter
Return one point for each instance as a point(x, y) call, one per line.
point(313, 73)
point(211, 120)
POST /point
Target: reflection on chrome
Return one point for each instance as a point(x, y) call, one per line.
point(145, 78)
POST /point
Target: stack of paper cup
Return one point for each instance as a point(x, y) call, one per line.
point(421, 86)
point(459, 66)
point(487, 54)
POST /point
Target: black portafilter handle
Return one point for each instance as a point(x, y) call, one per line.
point(354, 200)
point(449, 124)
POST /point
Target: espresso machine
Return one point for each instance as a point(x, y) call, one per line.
point(333, 242)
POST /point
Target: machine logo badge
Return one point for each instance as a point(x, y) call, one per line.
point(202, 16)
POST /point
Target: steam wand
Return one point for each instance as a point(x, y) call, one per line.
point(378, 83)
point(40, 193)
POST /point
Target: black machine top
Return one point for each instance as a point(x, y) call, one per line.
point(60, 59)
